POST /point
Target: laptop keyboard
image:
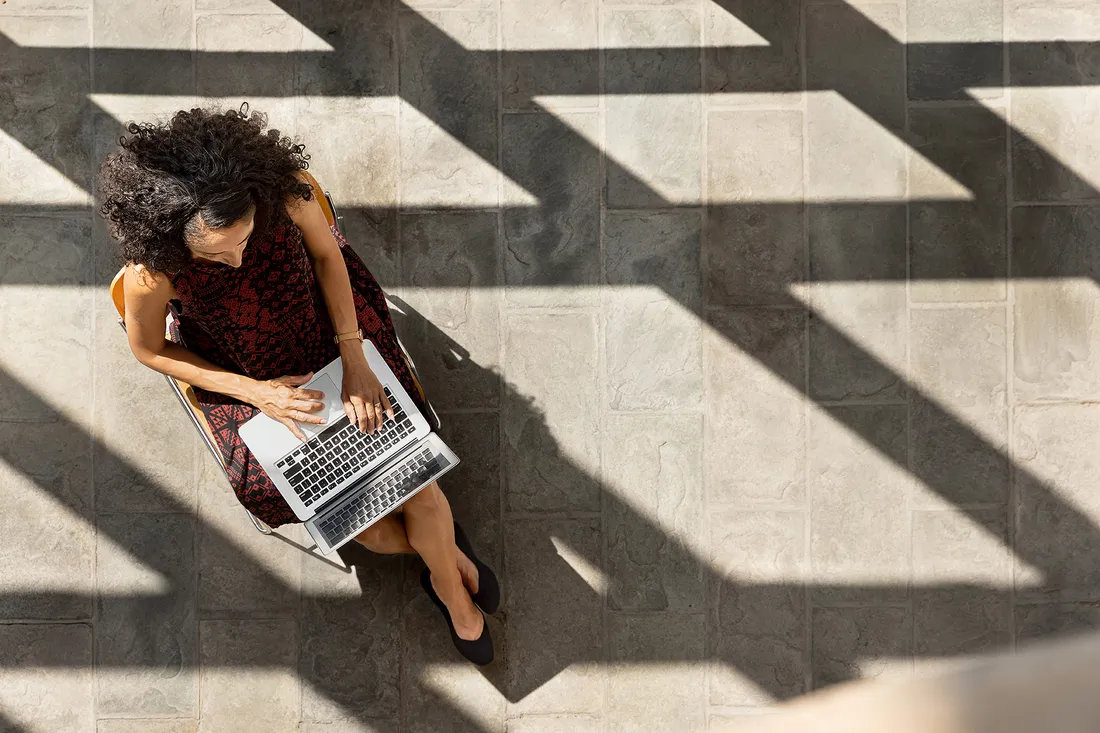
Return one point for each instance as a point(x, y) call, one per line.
point(340, 451)
point(382, 494)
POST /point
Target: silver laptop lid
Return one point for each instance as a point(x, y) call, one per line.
point(272, 444)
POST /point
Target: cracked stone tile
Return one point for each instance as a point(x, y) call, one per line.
point(1057, 543)
point(549, 415)
point(248, 680)
point(653, 141)
point(159, 24)
point(450, 265)
point(47, 686)
point(943, 67)
point(528, 25)
point(555, 724)
point(859, 490)
point(653, 332)
point(753, 357)
point(653, 471)
point(757, 619)
point(1057, 329)
point(449, 110)
point(146, 632)
point(742, 69)
point(860, 643)
point(642, 698)
point(552, 254)
point(958, 360)
point(555, 652)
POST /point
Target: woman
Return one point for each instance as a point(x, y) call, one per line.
point(211, 210)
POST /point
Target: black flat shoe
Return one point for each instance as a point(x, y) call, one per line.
point(480, 650)
point(487, 597)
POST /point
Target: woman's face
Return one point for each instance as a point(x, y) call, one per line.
point(224, 246)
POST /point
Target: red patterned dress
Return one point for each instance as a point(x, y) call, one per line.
point(267, 319)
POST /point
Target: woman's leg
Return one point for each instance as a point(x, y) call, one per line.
point(430, 529)
point(387, 536)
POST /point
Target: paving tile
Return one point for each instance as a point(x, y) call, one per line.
point(473, 486)
point(555, 652)
point(147, 726)
point(45, 268)
point(146, 633)
point(653, 333)
point(1057, 514)
point(857, 331)
point(421, 6)
point(242, 572)
point(957, 239)
point(450, 265)
point(1042, 20)
point(1035, 622)
point(851, 643)
point(1053, 106)
point(859, 321)
point(555, 243)
point(725, 722)
point(968, 550)
point(1054, 258)
point(248, 681)
point(851, 156)
point(48, 684)
point(350, 657)
point(269, 74)
point(958, 360)
point(668, 697)
point(654, 140)
point(38, 76)
point(343, 726)
point(757, 623)
point(755, 366)
point(654, 507)
point(33, 7)
point(361, 178)
point(146, 446)
point(528, 25)
point(363, 58)
point(947, 62)
point(859, 488)
point(737, 64)
point(555, 724)
point(449, 146)
point(549, 414)
point(48, 552)
point(441, 692)
point(246, 7)
point(164, 25)
point(753, 251)
point(856, 54)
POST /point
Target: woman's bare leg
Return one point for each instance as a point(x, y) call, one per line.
point(387, 536)
point(430, 529)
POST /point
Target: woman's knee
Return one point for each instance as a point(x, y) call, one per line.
point(428, 500)
point(374, 537)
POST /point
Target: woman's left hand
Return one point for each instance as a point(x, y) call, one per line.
point(365, 402)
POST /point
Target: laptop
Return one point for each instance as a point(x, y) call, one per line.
point(341, 481)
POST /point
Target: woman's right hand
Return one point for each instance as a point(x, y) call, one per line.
point(282, 400)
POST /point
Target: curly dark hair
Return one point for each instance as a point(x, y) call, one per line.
point(167, 181)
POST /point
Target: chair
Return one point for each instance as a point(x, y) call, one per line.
point(186, 394)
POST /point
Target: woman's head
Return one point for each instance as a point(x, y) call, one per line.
point(197, 186)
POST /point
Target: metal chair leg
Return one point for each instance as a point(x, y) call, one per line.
point(260, 526)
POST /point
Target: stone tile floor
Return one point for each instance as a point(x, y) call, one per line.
point(767, 331)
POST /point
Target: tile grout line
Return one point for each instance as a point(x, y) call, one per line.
point(807, 500)
point(1010, 334)
point(601, 352)
point(502, 384)
point(909, 435)
point(93, 403)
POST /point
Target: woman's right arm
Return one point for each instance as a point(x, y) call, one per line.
point(282, 399)
point(147, 295)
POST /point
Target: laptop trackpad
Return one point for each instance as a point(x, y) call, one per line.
point(334, 407)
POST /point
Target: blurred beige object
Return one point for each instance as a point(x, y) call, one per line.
point(1052, 687)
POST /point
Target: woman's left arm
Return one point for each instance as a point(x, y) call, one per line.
point(364, 399)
